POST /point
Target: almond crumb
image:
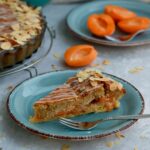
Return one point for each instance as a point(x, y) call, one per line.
point(119, 135)
point(57, 56)
point(106, 62)
point(116, 142)
point(95, 65)
point(143, 137)
point(109, 144)
point(135, 148)
point(9, 88)
point(93, 83)
point(65, 147)
point(6, 45)
point(136, 70)
point(54, 67)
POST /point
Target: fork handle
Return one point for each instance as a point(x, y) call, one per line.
point(127, 117)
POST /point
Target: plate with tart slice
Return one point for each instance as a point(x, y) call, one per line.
point(121, 19)
point(86, 95)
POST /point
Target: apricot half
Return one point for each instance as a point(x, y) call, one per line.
point(101, 24)
point(80, 55)
point(119, 13)
point(134, 24)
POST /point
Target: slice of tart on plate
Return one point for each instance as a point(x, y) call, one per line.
point(86, 92)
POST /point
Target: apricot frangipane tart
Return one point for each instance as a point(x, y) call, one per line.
point(21, 31)
point(86, 92)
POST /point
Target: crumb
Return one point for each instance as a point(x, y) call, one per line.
point(116, 142)
point(98, 66)
point(106, 62)
point(57, 56)
point(65, 147)
point(136, 70)
point(119, 135)
point(9, 88)
point(54, 67)
point(95, 65)
point(135, 148)
point(143, 137)
point(109, 144)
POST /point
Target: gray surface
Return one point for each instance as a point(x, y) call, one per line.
point(122, 60)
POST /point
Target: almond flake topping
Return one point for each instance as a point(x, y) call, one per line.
point(15, 27)
point(94, 83)
point(26, 24)
point(6, 45)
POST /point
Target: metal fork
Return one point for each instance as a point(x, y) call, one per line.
point(126, 38)
point(92, 124)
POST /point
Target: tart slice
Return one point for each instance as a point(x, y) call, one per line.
point(86, 92)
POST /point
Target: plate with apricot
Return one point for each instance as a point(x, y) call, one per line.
point(95, 20)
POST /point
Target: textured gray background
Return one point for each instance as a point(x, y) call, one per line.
point(122, 60)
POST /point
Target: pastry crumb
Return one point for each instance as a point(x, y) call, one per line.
point(95, 65)
point(9, 88)
point(57, 56)
point(143, 137)
point(136, 70)
point(135, 148)
point(65, 147)
point(98, 66)
point(116, 142)
point(119, 135)
point(106, 62)
point(54, 67)
point(109, 144)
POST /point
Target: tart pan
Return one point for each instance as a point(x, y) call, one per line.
point(8, 58)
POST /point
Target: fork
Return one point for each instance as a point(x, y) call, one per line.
point(92, 124)
point(125, 38)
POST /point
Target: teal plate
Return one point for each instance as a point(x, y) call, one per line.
point(21, 100)
point(77, 18)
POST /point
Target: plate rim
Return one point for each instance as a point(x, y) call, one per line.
point(99, 41)
point(71, 138)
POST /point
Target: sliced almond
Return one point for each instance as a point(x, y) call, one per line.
point(136, 70)
point(57, 56)
point(2, 39)
point(94, 83)
point(135, 148)
point(6, 45)
point(106, 62)
point(65, 147)
point(15, 27)
point(113, 86)
point(109, 144)
point(119, 135)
